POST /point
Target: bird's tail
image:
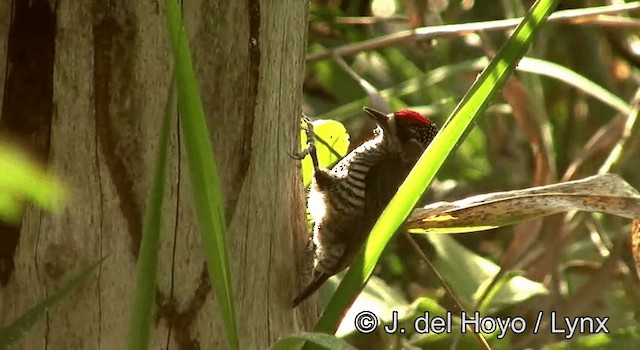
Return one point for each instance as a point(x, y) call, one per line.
point(311, 288)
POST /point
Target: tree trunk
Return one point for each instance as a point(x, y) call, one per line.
point(92, 107)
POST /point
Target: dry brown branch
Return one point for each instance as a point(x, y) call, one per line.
point(580, 17)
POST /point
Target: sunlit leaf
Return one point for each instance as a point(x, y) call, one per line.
point(335, 135)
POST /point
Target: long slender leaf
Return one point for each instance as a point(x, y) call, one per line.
point(570, 77)
point(140, 325)
point(607, 193)
point(13, 332)
point(204, 175)
point(473, 104)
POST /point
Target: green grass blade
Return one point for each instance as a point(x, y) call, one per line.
point(204, 175)
point(140, 325)
point(474, 103)
point(14, 331)
point(570, 77)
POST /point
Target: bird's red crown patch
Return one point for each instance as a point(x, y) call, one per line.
point(413, 116)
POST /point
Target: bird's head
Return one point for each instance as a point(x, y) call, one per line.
point(405, 125)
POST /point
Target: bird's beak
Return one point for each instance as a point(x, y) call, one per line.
point(379, 117)
point(386, 122)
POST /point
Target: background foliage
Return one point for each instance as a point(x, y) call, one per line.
point(548, 126)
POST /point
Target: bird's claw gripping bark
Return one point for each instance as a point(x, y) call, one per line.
point(311, 145)
point(311, 247)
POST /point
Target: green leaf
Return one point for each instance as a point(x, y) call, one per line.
point(423, 306)
point(140, 324)
point(13, 332)
point(204, 175)
point(473, 104)
point(624, 338)
point(493, 293)
point(325, 341)
point(469, 274)
point(377, 297)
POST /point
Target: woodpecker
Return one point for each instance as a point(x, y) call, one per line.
point(346, 201)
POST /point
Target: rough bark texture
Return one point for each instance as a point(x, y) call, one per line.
point(95, 115)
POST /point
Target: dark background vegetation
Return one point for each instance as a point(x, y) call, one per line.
point(539, 131)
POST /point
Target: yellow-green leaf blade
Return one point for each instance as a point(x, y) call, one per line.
point(141, 314)
point(204, 176)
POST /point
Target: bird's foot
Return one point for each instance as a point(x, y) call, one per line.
point(310, 149)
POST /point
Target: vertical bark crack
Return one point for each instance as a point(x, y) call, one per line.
point(175, 228)
point(249, 113)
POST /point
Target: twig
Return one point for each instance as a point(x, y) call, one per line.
point(329, 147)
point(375, 98)
point(631, 128)
point(423, 257)
point(616, 22)
point(361, 20)
point(580, 16)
